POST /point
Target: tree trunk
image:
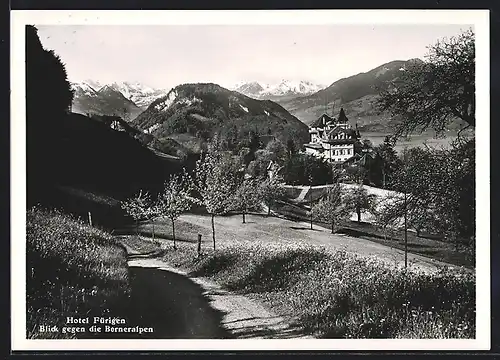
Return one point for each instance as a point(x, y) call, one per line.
point(333, 227)
point(213, 229)
point(153, 222)
point(137, 227)
point(358, 211)
point(243, 213)
point(173, 233)
point(269, 210)
point(418, 232)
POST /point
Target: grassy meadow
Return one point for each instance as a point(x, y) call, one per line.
point(72, 270)
point(329, 292)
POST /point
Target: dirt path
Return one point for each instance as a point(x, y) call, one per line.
point(181, 307)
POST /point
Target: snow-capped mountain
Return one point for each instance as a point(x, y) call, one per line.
point(142, 95)
point(127, 99)
point(288, 88)
point(83, 89)
point(103, 100)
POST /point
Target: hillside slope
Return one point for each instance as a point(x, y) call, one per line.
point(193, 113)
point(357, 95)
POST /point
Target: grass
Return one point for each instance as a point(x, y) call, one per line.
point(339, 294)
point(332, 293)
point(72, 270)
point(431, 248)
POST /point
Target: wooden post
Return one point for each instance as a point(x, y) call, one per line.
point(199, 245)
point(311, 207)
point(90, 219)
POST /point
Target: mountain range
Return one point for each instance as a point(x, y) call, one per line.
point(190, 114)
point(285, 89)
point(125, 99)
point(357, 94)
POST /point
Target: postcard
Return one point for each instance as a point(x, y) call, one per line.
point(250, 180)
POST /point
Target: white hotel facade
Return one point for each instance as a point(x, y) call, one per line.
point(331, 139)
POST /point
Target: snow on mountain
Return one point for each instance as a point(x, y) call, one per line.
point(283, 88)
point(142, 95)
point(95, 84)
point(83, 89)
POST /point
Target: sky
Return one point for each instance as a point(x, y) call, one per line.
point(168, 55)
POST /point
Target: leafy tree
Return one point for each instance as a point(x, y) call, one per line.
point(247, 197)
point(302, 169)
point(356, 173)
point(432, 93)
point(358, 199)
point(176, 198)
point(331, 208)
point(258, 167)
point(389, 158)
point(387, 212)
point(138, 207)
point(290, 147)
point(440, 188)
point(48, 91)
point(48, 100)
point(218, 175)
point(271, 190)
point(277, 150)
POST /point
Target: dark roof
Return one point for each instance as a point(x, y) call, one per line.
point(339, 129)
point(319, 122)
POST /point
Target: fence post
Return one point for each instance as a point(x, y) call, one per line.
point(90, 219)
point(199, 245)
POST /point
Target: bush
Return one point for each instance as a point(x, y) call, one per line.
point(342, 295)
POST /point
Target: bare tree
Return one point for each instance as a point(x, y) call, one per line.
point(176, 198)
point(358, 199)
point(217, 178)
point(138, 207)
point(331, 208)
point(247, 197)
point(271, 189)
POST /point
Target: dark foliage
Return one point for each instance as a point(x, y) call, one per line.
point(434, 93)
point(301, 169)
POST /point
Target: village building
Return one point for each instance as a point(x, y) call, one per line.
point(333, 139)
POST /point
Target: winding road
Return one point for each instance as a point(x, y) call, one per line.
point(180, 307)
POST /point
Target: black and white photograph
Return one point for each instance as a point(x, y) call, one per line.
point(304, 179)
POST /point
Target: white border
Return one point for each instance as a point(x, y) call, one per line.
point(479, 19)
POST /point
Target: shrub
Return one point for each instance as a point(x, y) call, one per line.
point(342, 295)
point(72, 270)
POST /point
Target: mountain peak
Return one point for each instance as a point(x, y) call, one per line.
point(286, 87)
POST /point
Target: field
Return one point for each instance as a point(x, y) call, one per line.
point(271, 231)
point(72, 269)
point(332, 286)
point(427, 245)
